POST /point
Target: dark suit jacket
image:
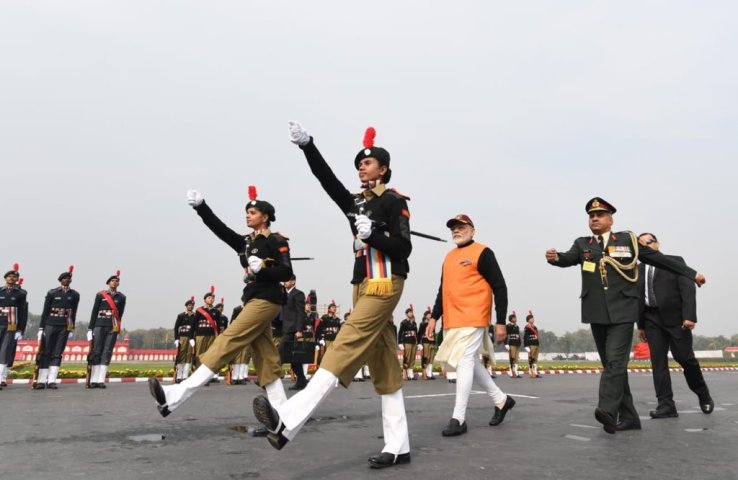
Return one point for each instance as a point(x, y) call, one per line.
point(619, 302)
point(293, 312)
point(675, 296)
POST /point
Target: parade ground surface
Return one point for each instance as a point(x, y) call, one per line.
point(117, 433)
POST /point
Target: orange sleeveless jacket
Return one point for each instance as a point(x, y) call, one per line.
point(467, 297)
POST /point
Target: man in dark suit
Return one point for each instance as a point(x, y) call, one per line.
point(293, 323)
point(668, 313)
point(610, 304)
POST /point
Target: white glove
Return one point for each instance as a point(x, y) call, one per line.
point(507, 347)
point(317, 347)
point(18, 336)
point(176, 343)
point(255, 263)
point(70, 336)
point(401, 347)
point(322, 342)
point(363, 226)
point(40, 334)
point(89, 335)
point(194, 198)
point(298, 136)
point(192, 342)
point(527, 349)
point(420, 347)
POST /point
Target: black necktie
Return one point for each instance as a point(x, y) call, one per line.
point(601, 242)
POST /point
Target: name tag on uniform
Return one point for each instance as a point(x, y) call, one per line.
point(621, 251)
point(588, 267)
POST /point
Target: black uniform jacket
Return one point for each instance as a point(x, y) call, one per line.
point(408, 332)
point(619, 302)
point(387, 208)
point(293, 312)
point(13, 301)
point(185, 325)
point(102, 314)
point(513, 335)
point(267, 245)
point(674, 294)
point(60, 306)
point(530, 336)
point(328, 328)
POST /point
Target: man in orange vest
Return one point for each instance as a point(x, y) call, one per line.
point(470, 279)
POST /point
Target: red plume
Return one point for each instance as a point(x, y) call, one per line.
point(530, 312)
point(212, 288)
point(252, 192)
point(20, 282)
point(369, 137)
point(333, 302)
point(411, 307)
point(222, 300)
point(429, 308)
point(192, 298)
point(15, 267)
point(515, 313)
point(117, 273)
point(71, 268)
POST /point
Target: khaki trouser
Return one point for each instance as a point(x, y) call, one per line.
point(253, 327)
point(533, 355)
point(514, 352)
point(184, 351)
point(323, 349)
point(244, 356)
point(408, 355)
point(429, 354)
point(367, 337)
point(202, 345)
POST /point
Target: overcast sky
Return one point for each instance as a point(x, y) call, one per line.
point(515, 113)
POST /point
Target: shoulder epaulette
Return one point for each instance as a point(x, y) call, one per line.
point(281, 235)
point(401, 195)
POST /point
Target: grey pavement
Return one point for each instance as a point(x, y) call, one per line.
point(550, 434)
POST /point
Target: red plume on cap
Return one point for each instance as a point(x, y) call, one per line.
point(411, 307)
point(252, 192)
point(15, 267)
point(515, 313)
point(192, 298)
point(429, 308)
point(222, 300)
point(369, 137)
point(530, 312)
point(71, 268)
point(20, 282)
point(212, 288)
point(117, 273)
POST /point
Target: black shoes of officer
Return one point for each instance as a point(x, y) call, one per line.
point(158, 393)
point(664, 412)
point(386, 459)
point(454, 429)
point(707, 405)
point(298, 385)
point(623, 425)
point(52, 386)
point(269, 417)
point(500, 413)
point(39, 386)
point(607, 420)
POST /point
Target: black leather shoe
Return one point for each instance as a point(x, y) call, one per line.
point(623, 425)
point(500, 413)
point(607, 420)
point(259, 432)
point(707, 405)
point(265, 414)
point(3, 384)
point(451, 380)
point(385, 459)
point(277, 440)
point(157, 392)
point(52, 386)
point(663, 412)
point(454, 428)
point(39, 386)
point(102, 385)
point(94, 385)
point(244, 381)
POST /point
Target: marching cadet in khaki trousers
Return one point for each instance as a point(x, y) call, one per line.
point(266, 260)
point(382, 246)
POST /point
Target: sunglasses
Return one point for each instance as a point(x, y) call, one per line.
point(649, 242)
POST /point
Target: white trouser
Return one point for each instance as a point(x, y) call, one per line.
point(470, 368)
point(360, 374)
point(3, 372)
point(410, 374)
point(298, 409)
point(186, 370)
point(177, 394)
point(53, 373)
point(43, 375)
point(394, 424)
point(429, 370)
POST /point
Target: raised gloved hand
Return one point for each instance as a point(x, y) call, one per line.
point(298, 136)
point(89, 335)
point(401, 347)
point(255, 263)
point(40, 334)
point(18, 336)
point(420, 347)
point(176, 343)
point(507, 347)
point(527, 349)
point(192, 342)
point(194, 198)
point(363, 226)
